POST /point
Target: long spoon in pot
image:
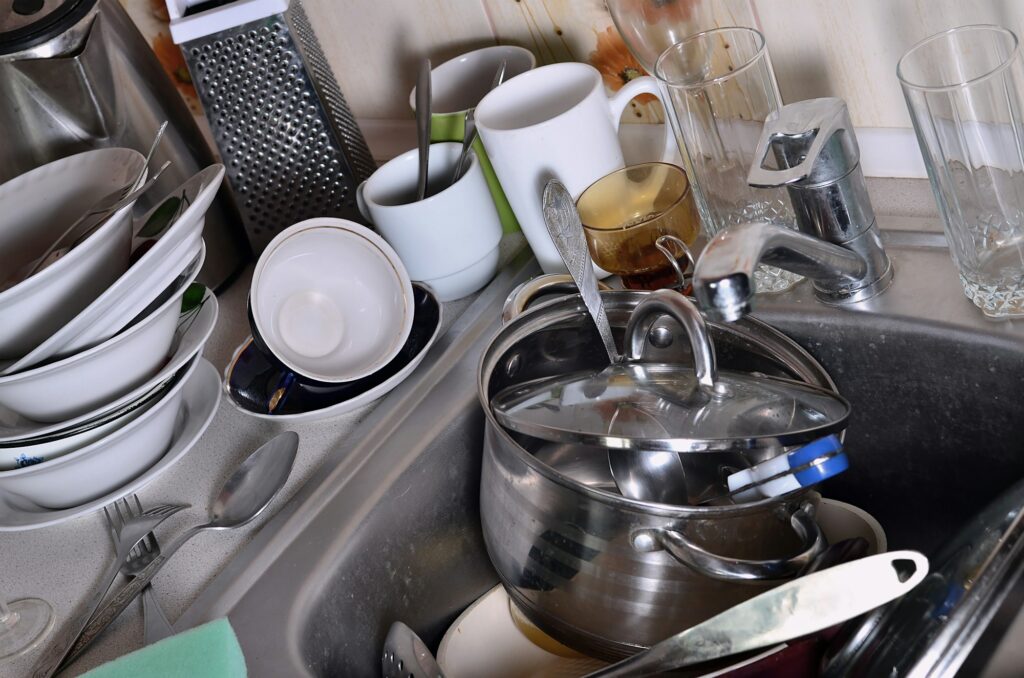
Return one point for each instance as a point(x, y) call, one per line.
point(639, 474)
point(566, 231)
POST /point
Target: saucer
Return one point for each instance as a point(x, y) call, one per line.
point(193, 331)
point(254, 382)
point(201, 397)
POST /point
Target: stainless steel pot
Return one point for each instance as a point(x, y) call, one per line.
point(608, 575)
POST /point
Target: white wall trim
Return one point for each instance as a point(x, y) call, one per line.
point(885, 152)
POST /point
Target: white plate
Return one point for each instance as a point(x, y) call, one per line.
point(486, 641)
point(201, 397)
point(141, 284)
point(190, 338)
point(377, 391)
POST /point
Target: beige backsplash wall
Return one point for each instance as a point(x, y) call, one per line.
point(846, 48)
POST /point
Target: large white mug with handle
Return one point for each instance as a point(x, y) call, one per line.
point(555, 122)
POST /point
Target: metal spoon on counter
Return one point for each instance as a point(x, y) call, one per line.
point(244, 495)
point(639, 474)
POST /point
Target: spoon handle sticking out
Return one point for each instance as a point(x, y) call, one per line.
point(566, 230)
point(469, 126)
point(423, 126)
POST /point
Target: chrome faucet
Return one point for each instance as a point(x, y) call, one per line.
point(815, 156)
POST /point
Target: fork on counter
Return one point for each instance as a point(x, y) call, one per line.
point(155, 623)
point(129, 532)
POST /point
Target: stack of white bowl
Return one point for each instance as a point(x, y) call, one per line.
point(100, 352)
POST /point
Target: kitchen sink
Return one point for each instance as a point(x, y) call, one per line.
point(390, 529)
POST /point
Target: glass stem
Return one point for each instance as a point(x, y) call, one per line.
point(7, 618)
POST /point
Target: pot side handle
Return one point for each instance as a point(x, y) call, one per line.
point(737, 569)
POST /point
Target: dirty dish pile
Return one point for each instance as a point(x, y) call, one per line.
point(96, 388)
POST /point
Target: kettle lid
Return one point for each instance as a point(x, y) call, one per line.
point(27, 24)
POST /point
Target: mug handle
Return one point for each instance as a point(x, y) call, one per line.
point(364, 209)
point(643, 85)
point(724, 568)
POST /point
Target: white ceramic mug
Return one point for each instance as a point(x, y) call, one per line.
point(555, 122)
point(448, 240)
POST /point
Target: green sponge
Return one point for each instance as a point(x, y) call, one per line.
point(209, 650)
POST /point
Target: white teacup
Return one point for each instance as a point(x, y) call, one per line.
point(448, 240)
point(555, 122)
point(331, 300)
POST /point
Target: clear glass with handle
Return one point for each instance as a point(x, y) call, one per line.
point(963, 89)
point(721, 88)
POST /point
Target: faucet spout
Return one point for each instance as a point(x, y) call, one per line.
point(723, 282)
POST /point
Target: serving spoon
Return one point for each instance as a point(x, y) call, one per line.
point(639, 474)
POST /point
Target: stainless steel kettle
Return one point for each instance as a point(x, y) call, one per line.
point(77, 75)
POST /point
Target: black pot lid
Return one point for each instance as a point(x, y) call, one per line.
point(658, 406)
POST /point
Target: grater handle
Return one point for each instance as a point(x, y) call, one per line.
point(187, 27)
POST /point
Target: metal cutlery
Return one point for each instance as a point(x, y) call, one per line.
point(244, 495)
point(566, 231)
point(423, 126)
point(640, 474)
point(468, 136)
point(129, 532)
point(469, 125)
point(155, 624)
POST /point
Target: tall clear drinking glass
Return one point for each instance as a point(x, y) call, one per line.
point(721, 88)
point(963, 89)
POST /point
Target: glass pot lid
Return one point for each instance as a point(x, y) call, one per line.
point(659, 406)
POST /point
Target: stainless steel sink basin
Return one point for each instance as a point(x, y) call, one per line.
point(390, 530)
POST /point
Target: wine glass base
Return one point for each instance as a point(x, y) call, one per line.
point(28, 622)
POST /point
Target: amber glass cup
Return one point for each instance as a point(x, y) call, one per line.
point(625, 212)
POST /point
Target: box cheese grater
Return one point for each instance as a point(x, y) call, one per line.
point(290, 144)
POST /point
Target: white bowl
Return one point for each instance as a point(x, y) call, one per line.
point(331, 300)
point(190, 337)
point(82, 382)
point(200, 399)
point(105, 465)
point(35, 209)
point(143, 282)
